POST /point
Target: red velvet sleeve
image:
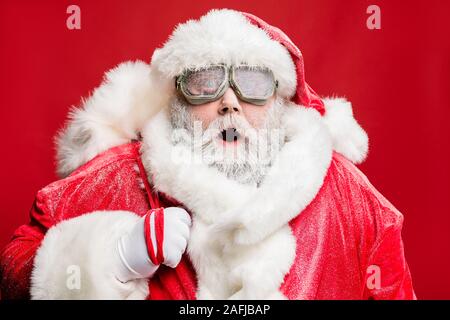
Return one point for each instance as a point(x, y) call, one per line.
point(388, 276)
point(16, 259)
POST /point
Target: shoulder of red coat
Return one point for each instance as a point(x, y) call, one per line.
point(113, 169)
point(351, 177)
point(120, 154)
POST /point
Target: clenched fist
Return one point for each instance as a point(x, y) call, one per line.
point(160, 237)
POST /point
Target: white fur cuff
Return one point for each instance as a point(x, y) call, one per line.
point(78, 259)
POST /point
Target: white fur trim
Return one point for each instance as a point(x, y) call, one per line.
point(87, 242)
point(293, 180)
point(113, 115)
point(288, 188)
point(349, 138)
point(225, 36)
point(239, 272)
point(240, 265)
point(174, 176)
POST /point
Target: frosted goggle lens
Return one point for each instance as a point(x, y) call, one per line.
point(204, 82)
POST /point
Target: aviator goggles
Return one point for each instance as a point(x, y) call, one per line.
point(252, 84)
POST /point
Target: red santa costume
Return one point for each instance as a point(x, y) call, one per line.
point(312, 230)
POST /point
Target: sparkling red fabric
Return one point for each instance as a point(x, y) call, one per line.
point(347, 228)
point(304, 94)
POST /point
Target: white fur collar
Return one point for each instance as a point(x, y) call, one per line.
point(290, 185)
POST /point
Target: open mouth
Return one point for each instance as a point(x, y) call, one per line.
point(230, 135)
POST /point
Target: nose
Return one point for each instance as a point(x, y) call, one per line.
point(229, 103)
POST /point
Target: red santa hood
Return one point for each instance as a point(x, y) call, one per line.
point(133, 92)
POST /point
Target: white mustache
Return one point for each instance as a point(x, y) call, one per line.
point(226, 122)
point(248, 160)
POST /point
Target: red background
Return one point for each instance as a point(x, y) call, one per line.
point(396, 77)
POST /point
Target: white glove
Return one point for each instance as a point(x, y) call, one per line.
point(134, 247)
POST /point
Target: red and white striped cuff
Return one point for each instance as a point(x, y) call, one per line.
point(158, 230)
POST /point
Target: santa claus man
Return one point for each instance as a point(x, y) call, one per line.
point(215, 172)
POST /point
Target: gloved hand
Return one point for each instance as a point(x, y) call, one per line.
point(158, 237)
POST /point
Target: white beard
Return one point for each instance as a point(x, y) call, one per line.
point(250, 160)
point(253, 267)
